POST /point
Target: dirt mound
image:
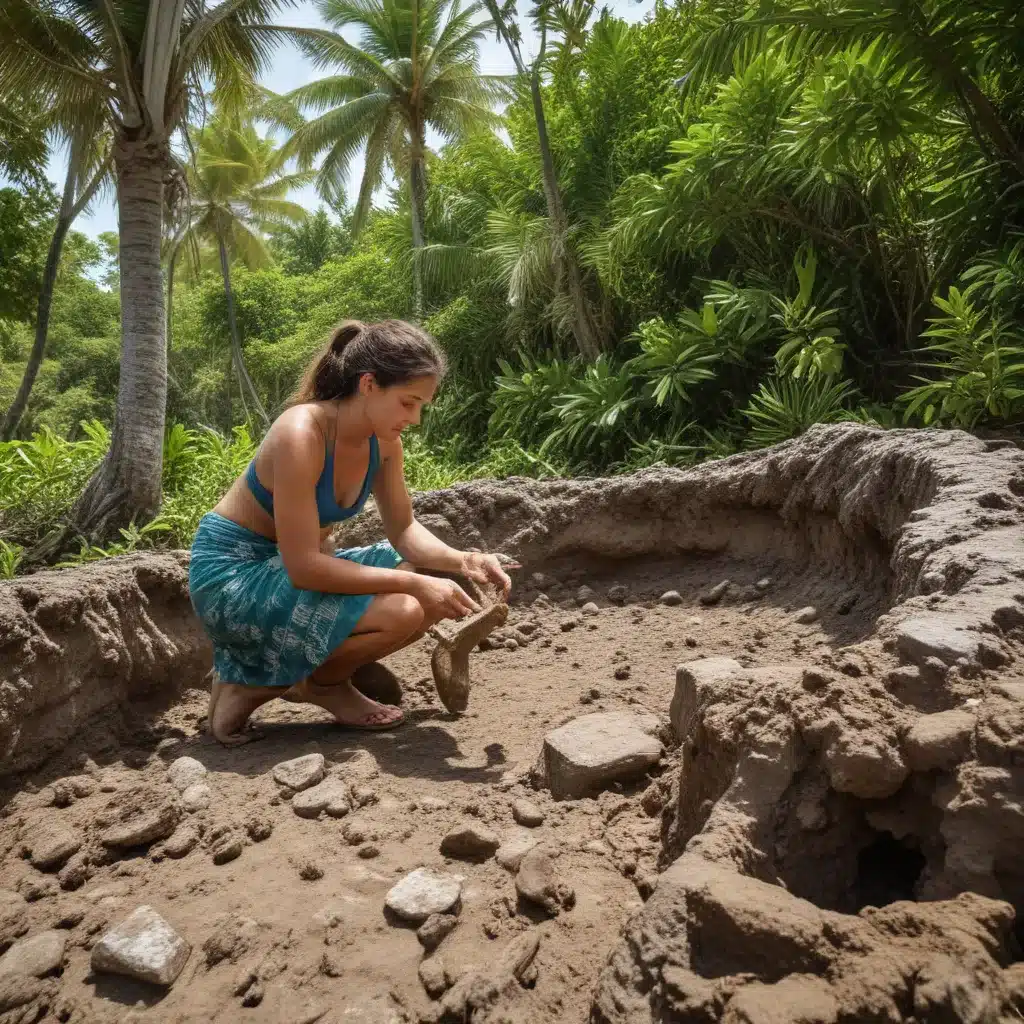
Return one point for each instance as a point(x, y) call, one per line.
point(741, 721)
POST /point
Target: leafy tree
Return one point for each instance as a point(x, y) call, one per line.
point(237, 189)
point(133, 63)
point(306, 247)
point(415, 68)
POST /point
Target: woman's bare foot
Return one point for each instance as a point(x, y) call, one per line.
point(349, 707)
point(230, 708)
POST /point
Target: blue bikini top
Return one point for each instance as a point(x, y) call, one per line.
point(326, 503)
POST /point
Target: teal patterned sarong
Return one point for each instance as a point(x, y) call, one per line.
point(265, 632)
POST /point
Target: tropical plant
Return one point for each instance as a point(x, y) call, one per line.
point(524, 397)
point(983, 365)
point(137, 64)
point(569, 277)
point(89, 159)
point(784, 407)
point(236, 190)
point(416, 67)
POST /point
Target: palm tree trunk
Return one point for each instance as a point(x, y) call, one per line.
point(126, 486)
point(584, 329)
point(69, 210)
point(417, 197)
point(244, 380)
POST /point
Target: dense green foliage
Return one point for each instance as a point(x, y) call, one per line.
point(786, 213)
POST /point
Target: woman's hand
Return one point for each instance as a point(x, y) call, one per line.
point(442, 599)
point(481, 568)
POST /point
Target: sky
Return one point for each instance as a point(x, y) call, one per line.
point(291, 69)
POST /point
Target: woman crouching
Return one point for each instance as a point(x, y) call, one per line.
point(289, 618)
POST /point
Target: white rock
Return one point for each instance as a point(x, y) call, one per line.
point(805, 616)
point(185, 772)
point(196, 797)
point(331, 796)
point(143, 946)
point(424, 892)
point(671, 598)
point(594, 750)
point(36, 957)
point(300, 772)
point(590, 609)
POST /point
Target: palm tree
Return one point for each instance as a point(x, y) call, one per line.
point(236, 189)
point(89, 160)
point(416, 67)
point(139, 63)
point(550, 16)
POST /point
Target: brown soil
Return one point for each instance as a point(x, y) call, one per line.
point(820, 782)
point(435, 773)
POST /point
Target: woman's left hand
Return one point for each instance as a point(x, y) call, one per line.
point(481, 568)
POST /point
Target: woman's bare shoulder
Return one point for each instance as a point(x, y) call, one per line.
point(298, 431)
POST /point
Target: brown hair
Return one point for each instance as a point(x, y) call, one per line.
point(394, 351)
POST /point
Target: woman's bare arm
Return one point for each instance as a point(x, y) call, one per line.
point(411, 539)
point(298, 461)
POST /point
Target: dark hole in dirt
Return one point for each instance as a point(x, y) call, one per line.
point(887, 871)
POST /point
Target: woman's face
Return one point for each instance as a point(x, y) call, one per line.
point(391, 410)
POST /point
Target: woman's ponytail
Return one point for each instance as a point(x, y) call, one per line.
point(393, 351)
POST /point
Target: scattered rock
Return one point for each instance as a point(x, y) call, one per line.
point(13, 917)
point(538, 882)
point(253, 995)
point(618, 594)
point(432, 803)
point(672, 598)
point(75, 873)
point(143, 946)
point(196, 798)
point(715, 594)
point(566, 625)
point(300, 772)
point(763, 584)
point(435, 930)
point(330, 796)
point(258, 828)
point(369, 851)
point(846, 602)
point(511, 644)
point(231, 938)
point(584, 594)
point(623, 672)
point(512, 851)
point(310, 871)
point(434, 977)
point(590, 609)
point(185, 772)
point(805, 616)
point(939, 740)
point(424, 892)
point(225, 844)
point(35, 957)
point(472, 842)
point(182, 841)
point(146, 815)
point(36, 888)
point(527, 813)
point(52, 845)
point(592, 751)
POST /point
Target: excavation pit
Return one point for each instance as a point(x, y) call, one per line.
point(838, 793)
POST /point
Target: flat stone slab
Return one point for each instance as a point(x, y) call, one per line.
point(143, 946)
point(936, 636)
point(52, 846)
point(300, 772)
point(596, 750)
point(34, 957)
point(424, 892)
point(693, 678)
point(330, 796)
point(472, 842)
